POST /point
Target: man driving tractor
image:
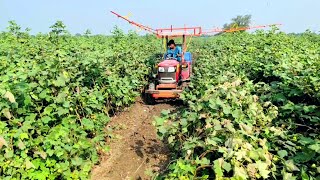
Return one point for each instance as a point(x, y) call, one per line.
point(174, 51)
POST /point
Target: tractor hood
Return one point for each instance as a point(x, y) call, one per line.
point(168, 63)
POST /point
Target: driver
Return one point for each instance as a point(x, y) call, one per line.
point(174, 51)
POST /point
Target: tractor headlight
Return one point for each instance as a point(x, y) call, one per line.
point(171, 69)
point(161, 69)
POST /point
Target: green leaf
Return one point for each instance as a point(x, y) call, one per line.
point(171, 139)
point(42, 154)
point(87, 124)
point(226, 109)
point(213, 141)
point(24, 136)
point(9, 153)
point(308, 109)
point(60, 82)
point(240, 172)
point(288, 176)
point(29, 164)
point(283, 153)
point(46, 119)
point(10, 97)
point(217, 168)
point(246, 128)
point(165, 112)
point(226, 166)
point(217, 127)
point(291, 166)
point(77, 161)
point(304, 156)
point(106, 148)
point(47, 110)
point(62, 111)
point(6, 112)
point(162, 130)
point(205, 161)
point(159, 121)
point(236, 113)
point(262, 167)
point(31, 117)
point(306, 140)
point(315, 147)
point(3, 142)
point(50, 152)
point(279, 97)
point(254, 155)
point(304, 175)
point(21, 145)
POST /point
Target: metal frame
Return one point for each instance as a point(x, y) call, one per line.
point(187, 31)
point(178, 32)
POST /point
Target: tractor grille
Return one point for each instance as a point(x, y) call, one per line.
point(167, 77)
point(171, 75)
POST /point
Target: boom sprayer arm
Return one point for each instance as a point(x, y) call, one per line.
point(146, 28)
point(187, 31)
point(217, 30)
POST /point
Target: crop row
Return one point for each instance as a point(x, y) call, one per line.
point(252, 110)
point(57, 93)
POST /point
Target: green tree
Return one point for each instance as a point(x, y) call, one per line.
point(87, 33)
point(14, 28)
point(58, 31)
point(238, 22)
point(58, 28)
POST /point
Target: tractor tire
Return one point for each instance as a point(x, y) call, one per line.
point(192, 67)
point(150, 100)
point(152, 86)
point(147, 98)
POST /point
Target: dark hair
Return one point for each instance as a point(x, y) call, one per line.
point(171, 42)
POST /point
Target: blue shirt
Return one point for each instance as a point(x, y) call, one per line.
point(174, 53)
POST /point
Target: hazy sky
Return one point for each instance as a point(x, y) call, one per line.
point(79, 15)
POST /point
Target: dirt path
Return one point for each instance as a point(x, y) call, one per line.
point(135, 150)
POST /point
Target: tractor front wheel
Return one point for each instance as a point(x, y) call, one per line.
point(147, 98)
point(150, 100)
point(152, 86)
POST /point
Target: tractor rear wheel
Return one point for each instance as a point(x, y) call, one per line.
point(192, 67)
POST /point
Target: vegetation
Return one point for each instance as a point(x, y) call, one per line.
point(57, 93)
point(252, 110)
point(239, 22)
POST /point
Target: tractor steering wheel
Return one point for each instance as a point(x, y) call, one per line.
point(170, 56)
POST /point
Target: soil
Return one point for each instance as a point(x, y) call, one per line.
point(135, 150)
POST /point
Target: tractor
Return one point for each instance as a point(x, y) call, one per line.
point(170, 77)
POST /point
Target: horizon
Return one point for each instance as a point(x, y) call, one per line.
point(78, 16)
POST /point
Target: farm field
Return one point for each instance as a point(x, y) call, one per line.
point(252, 110)
point(58, 93)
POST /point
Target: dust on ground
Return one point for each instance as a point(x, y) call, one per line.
point(136, 152)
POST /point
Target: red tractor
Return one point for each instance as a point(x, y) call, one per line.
point(171, 76)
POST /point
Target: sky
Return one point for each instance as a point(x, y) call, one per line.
point(80, 15)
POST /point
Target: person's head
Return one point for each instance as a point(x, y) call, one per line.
point(171, 44)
